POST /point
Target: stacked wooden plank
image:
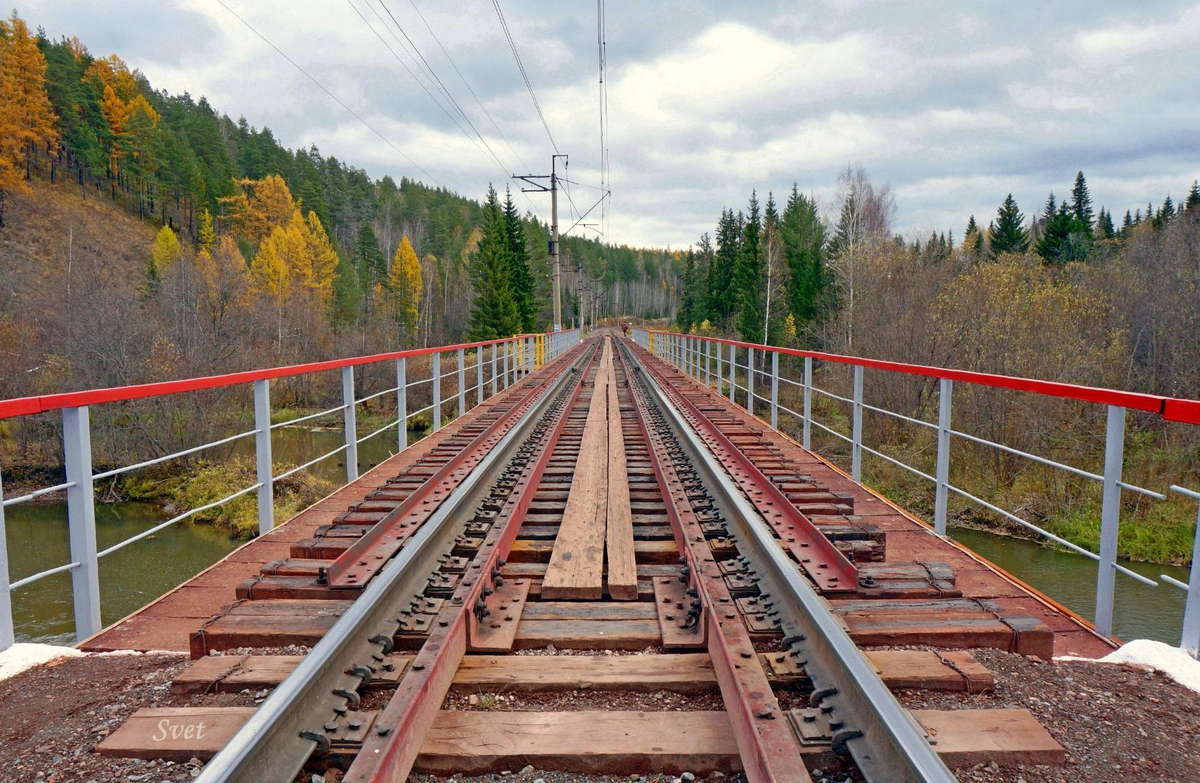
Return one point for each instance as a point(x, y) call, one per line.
point(598, 515)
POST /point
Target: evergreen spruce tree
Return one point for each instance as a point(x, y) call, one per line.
point(369, 258)
point(1127, 225)
point(1168, 211)
point(494, 311)
point(1193, 197)
point(721, 301)
point(518, 259)
point(1009, 234)
point(1081, 203)
point(748, 277)
point(683, 318)
point(804, 248)
point(971, 225)
point(704, 258)
point(1104, 225)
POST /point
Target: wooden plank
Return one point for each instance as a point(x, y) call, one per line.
point(175, 733)
point(949, 670)
point(622, 564)
point(540, 551)
point(588, 610)
point(1006, 736)
point(495, 633)
point(233, 673)
point(683, 673)
point(576, 568)
point(588, 634)
point(474, 743)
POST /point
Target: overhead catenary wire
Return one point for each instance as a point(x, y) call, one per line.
point(467, 84)
point(328, 92)
point(524, 76)
point(418, 59)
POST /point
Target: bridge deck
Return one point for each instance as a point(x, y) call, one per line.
point(167, 623)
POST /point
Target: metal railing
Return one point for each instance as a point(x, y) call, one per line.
point(714, 361)
point(509, 359)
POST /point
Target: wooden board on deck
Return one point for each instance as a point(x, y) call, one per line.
point(1007, 736)
point(683, 673)
point(474, 743)
point(576, 569)
point(622, 566)
point(175, 733)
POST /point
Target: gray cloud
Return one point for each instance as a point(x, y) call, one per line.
point(955, 105)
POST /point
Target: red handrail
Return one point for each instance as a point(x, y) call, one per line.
point(22, 406)
point(1170, 408)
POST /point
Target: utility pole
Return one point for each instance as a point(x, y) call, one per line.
point(556, 267)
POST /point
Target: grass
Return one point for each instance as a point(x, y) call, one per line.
point(209, 482)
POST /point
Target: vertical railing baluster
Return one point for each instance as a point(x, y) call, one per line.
point(1190, 636)
point(717, 347)
point(775, 389)
point(81, 515)
point(351, 423)
point(479, 375)
point(806, 437)
point(7, 633)
point(436, 383)
point(941, 498)
point(708, 350)
point(732, 371)
point(750, 381)
point(462, 381)
point(856, 426)
point(401, 404)
point(495, 378)
point(507, 379)
point(1110, 518)
point(262, 456)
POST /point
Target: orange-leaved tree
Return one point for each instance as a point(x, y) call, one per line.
point(404, 286)
point(27, 119)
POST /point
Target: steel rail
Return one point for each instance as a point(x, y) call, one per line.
point(389, 752)
point(820, 559)
point(769, 749)
point(277, 740)
point(881, 736)
point(363, 558)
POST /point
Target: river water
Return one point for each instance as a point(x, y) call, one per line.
point(139, 573)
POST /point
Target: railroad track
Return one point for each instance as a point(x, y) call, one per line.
point(605, 526)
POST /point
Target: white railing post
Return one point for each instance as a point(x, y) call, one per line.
point(1110, 518)
point(462, 382)
point(750, 381)
point(856, 426)
point(775, 389)
point(718, 349)
point(806, 438)
point(262, 456)
point(708, 345)
point(81, 514)
point(507, 364)
point(732, 372)
point(436, 384)
point(495, 378)
point(530, 356)
point(7, 634)
point(1190, 638)
point(941, 498)
point(351, 422)
point(479, 375)
point(401, 404)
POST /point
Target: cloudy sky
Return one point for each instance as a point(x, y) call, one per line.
point(954, 104)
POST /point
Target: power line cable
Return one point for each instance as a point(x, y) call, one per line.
point(467, 84)
point(524, 76)
point(326, 90)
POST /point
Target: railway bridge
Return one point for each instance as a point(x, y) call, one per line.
point(612, 559)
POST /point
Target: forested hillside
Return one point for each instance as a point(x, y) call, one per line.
point(206, 246)
point(1067, 295)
